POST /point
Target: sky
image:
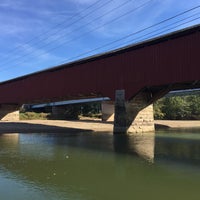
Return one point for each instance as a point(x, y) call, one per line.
point(36, 35)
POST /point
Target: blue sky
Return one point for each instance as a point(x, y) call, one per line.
point(36, 35)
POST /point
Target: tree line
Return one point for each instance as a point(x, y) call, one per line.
point(178, 108)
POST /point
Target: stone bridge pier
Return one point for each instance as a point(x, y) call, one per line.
point(9, 112)
point(135, 116)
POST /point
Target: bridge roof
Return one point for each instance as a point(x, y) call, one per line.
point(152, 41)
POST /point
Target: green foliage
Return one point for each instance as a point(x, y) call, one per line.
point(194, 104)
point(33, 115)
point(178, 108)
point(158, 109)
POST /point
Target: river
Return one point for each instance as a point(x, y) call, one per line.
point(100, 166)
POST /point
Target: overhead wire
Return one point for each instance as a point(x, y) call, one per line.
point(146, 28)
point(153, 36)
point(93, 29)
point(75, 30)
point(142, 30)
point(52, 30)
point(169, 29)
point(142, 38)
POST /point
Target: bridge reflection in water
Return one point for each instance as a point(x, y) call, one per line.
point(137, 145)
point(85, 165)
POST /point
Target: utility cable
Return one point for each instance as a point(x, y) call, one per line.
point(135, 39)
point(137, 32)
point(142, 30)
point(155, 35)
point(82, 35)
point(77, 29)
point(60, 24)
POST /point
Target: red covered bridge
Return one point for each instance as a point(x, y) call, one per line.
point(147, 71)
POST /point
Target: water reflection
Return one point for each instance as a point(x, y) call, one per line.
point(179, 146)
point(97, 166)
point(140, 145)
point(73, 166)
point(11, 138)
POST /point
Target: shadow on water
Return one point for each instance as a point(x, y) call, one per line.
point(81, 139)
point(70, 162)
point(22, 127)
point(176, 145)
point(97, 166)
point(134, 145)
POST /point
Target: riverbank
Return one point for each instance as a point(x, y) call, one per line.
point(54, 126)
point(176, 124)
point(60, 126)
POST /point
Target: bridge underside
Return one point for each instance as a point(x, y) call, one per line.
point(133, 116)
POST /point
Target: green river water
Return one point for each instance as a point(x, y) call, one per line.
point(91, 166)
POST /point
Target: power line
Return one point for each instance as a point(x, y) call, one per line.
point(71, 40)
point(169, 29)
point(142, 30)
point(136, 39)
point(147, 28)
point(77, 29)
point(159, 33)
point(78, 20)
point(144, 37)
point(62, 23)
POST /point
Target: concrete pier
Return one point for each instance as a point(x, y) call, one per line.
point(120, 124)
point(135, 116)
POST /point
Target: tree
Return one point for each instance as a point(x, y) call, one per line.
point(175, 108)
point(178, 107)
point(194, 104)
point(158, 109)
